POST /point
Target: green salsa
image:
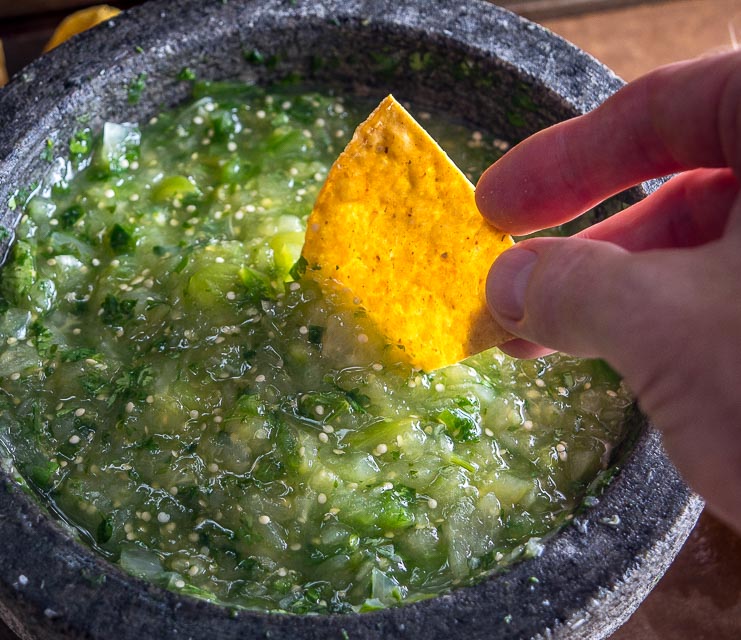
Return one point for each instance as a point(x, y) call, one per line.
point(201, 414)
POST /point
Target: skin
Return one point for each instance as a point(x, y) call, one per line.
point(656, 289)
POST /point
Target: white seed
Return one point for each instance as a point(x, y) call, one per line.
point(79, 412)
point(264, 519)
point(163, 517)
point(432, 503)
point(321, 498)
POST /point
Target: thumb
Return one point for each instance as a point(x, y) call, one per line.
point(591, 299)
point(668, 320)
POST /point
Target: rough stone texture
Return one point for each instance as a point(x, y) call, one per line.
point(468, 58)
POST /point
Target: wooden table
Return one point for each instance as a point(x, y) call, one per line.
point(699, 598)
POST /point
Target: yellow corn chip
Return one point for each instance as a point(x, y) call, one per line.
point(396, 223)
point(80, 21)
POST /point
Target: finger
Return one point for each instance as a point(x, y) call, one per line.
point(679, 117)
point(595, 299)
point(523, 349)
point(689, 210)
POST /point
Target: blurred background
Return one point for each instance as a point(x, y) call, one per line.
point(700, 596)
point(629, 36)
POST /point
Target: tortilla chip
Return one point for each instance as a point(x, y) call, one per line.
point(80, 21)
point(396, 223)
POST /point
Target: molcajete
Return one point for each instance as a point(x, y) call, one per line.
point(472, 60)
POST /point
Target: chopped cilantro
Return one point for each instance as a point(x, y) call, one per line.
point(254, 56)
point(299, 268)
point(186, 73)
point(42, 474)
point(136, 87)
point(81, 143)
point(315, 335)
point(47, 155)
point(43, 340)
point(133, 384)
point(93, 382)
point(71, 215)
point(21, 197)
point(120, 239)
point(115, 311)
point(463, 419)
point(75, 355)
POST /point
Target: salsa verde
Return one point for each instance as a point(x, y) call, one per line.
point(199, 413)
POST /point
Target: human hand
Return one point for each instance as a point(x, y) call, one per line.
point(656, 289)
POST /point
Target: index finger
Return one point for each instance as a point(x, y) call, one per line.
point(683, 116)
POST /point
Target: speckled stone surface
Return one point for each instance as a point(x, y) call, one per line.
point(476, 62)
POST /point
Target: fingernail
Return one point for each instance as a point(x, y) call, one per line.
point(507, 283)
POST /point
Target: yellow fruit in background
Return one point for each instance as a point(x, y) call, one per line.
point(80, 21)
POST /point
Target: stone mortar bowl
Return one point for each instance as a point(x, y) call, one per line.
point(468, 58)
